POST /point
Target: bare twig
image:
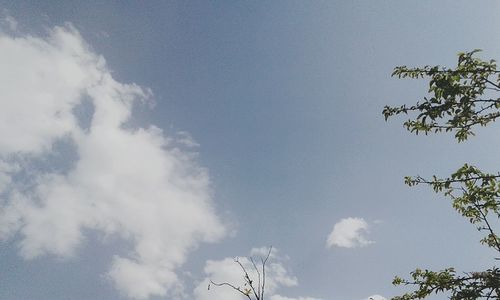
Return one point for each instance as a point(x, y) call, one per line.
point(264, 270)
point(238, 289)
point(253, 292)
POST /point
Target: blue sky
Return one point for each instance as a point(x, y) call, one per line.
point(267, 131)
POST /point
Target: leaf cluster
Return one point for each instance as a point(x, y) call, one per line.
point(471, 285)
point(458, 103)
point(475, 195)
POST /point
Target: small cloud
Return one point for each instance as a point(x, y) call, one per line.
point(349, 233)
point(186, 140)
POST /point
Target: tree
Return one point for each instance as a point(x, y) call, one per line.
point(460, 100)
point(254, 280)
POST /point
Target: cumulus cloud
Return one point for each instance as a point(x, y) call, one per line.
point(227, 270)
point(135, 183)
point(349, 233)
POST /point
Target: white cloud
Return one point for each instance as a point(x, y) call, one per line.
point(135, 183)
point(227, 270)
point(375, 297)
point(349, 233)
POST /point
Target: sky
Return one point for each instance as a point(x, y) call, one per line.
point(145, 145)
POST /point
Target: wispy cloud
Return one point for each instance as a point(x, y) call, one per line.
point(349, 233)
point(135, 183)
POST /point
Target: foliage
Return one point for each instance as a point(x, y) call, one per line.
point(458, 97)
point(459, 100)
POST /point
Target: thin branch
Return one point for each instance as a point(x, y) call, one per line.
point(232, 286)
point(420, 179)
point(252, 292)
point(448, 71)
point(493, 89)
point(248, 280)
point(485, 219)
point(258, 275)
point(492, 83)
point(264, 270)
point(489, 294)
